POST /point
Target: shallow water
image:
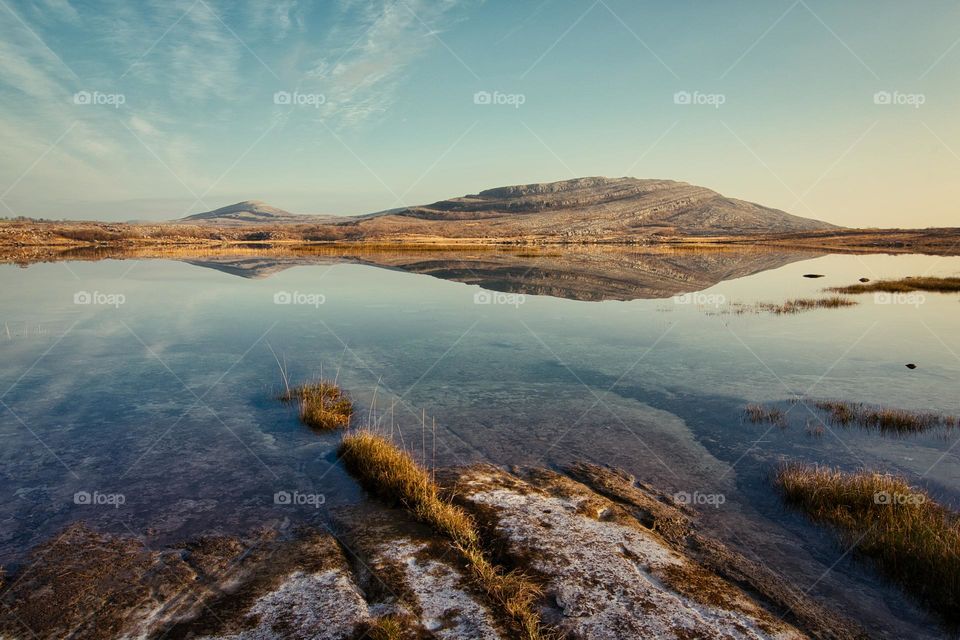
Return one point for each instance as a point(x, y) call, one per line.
point(160, 404)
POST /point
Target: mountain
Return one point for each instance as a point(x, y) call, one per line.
point(250, 212)
point(583, 209)
point(600, 206)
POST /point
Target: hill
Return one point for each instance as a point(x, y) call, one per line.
point(612, 209)
point(249, 212)
point(609, 206)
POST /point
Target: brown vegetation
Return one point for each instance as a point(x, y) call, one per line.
point(913, 540)
point(884, 419)
point(322, 405)
point(798, 305)
point(904, 285)
point(756, 413)
point(394, 476)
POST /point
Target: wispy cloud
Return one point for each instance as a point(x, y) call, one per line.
point(364, 56)
point(192, 74)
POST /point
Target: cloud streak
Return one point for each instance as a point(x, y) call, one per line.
point(191, 73)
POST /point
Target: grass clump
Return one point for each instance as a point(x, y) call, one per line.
point(884, 419)
point(904, 285)
point(913, 540)
point(390, 627)
point(395, 476)
point(759, 414)
point(322, 405)
point(800, 305)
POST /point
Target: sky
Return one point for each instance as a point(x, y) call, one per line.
point(151, 110)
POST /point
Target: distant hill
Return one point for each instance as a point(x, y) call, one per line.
point(614, 209)
point(251, 212)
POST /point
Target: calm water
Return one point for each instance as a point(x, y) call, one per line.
point(162, 397)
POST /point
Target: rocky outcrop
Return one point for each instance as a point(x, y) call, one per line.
point(612, 558)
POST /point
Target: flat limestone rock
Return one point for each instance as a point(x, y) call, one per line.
point(320, 606)
point(412, 574)
point(610, 576)
point(446, 608)
point(613, 558)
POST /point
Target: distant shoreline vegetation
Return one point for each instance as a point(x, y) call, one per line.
point(903, 285)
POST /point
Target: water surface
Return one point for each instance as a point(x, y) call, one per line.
point(162, 391)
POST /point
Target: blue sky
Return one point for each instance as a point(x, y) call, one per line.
point(117, 110)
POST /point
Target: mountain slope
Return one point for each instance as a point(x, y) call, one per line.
point(590, 206)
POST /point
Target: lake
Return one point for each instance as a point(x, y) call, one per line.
point(141, 395)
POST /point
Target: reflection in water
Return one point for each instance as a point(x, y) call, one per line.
point(169, 399)
point(594, 273)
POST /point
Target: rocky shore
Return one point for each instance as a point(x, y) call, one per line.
point(612, 559)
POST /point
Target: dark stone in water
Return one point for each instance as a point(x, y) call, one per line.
point(911, 366)
point(813, 275)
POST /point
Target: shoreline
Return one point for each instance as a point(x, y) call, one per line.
point(17, 235)
point(606, 556)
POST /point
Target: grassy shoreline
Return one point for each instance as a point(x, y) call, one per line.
point(912, 539)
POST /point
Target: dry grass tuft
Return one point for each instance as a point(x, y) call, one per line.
point(758, 414)
point(390, 627)
point(913, 540)
point(884, 419)
point(800, 305)
point(904, 285)
point(322, 405)
point(394, 476)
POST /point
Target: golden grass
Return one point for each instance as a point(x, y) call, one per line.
point(756, 413)
point(389, 627)
point(884, 419)
point(394, 476)
point(913, 540)
point(800, 305)
point(322, 405)
point(904, 285)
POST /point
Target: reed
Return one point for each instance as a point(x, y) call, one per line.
point(322, 404)
point(913, 540)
